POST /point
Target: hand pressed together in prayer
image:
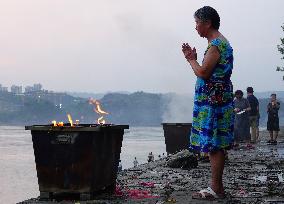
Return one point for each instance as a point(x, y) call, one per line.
point(190, 54)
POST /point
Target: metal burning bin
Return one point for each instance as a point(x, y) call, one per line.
point(79, 160)
point(176, 136)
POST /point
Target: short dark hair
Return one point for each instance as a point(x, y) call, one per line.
point(273, 94)
point(239, 92)
point(250, 89)
point(207, 13)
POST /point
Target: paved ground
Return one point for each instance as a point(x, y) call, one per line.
point(251, 176)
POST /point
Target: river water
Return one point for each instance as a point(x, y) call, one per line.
point(18, 180)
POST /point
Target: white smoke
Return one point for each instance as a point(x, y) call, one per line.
point(178, 109)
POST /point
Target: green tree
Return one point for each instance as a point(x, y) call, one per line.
point(281, 50)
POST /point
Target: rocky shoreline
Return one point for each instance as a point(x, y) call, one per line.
point(251, 175)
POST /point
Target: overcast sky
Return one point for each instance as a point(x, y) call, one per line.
point(132, 45)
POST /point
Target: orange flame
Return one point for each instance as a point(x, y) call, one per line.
point(70, 119)
point(54, 123)
point(98, 110)
point(77, 122)
point(101, 120)
point(61, 124)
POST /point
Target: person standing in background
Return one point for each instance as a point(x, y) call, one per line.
point(119, 166)
point(150, 157)
point(253, 114)
point(273, 119)
point(241, 125)
point(135, 162)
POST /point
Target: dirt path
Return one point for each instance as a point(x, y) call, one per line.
point(251, 176)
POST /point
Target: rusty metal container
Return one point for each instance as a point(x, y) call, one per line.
point(81, 160)
point(176, 136)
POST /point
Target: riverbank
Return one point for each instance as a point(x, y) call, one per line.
point(251, 175)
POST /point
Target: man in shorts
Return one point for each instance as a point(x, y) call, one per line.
point(253, 114)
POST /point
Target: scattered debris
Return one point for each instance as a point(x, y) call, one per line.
point(251, 175)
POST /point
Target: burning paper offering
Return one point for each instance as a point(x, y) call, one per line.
point(61, 124)
point(70, 119)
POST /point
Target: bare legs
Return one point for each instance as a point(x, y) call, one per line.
point(257, 134)
point(275, 133)
point(253, 128)
point(217, 161)
point(273, 136)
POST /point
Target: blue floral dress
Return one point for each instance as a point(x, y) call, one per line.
point(213, 112)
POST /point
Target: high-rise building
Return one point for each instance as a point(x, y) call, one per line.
point(34, 88)
point(3, 88)
point(28, 89)
point(16, 89)
point(37, 87)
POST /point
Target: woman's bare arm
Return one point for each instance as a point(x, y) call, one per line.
point(210, 60)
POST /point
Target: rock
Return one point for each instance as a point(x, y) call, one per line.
point(183, 160)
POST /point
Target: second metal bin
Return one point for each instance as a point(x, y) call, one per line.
point(176, 136)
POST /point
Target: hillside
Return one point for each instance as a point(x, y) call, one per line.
point(136, 109)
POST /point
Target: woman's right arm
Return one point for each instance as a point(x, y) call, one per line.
point(205, 70)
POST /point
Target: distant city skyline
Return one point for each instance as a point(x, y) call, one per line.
point(20, 89)
point(109, 46)
point(40, 90)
